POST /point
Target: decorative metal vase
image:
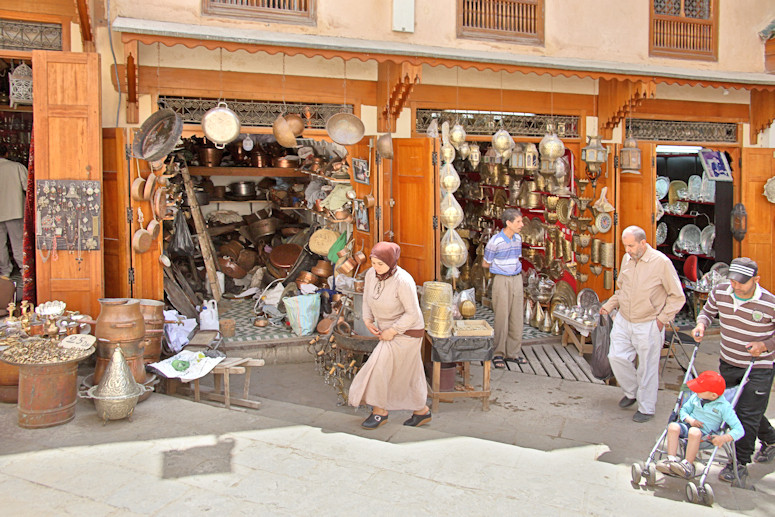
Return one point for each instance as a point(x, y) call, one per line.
point(115, 397)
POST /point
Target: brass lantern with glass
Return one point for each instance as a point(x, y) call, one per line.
point(629, 157)
point(531, 157)
point(594, 155)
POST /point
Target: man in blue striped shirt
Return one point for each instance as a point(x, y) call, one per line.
point(501, 256)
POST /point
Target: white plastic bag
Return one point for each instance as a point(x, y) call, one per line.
point(208, 317)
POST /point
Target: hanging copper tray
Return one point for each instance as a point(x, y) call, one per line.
point(158, 135)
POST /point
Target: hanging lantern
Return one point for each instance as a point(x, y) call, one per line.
point(451, 212)
point(531, 157)
point(502, 140)
point(449, 178)
point(629, 157)
point(447, 153)
point(594, 155)
point(464, 150)
point(20, 85)
point(505, 155)
point(475, 156)
point(457, 136)
point(551, 147)
point(518, 157)
point(453, 250)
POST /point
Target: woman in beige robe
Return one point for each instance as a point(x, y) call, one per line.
point(393, 378)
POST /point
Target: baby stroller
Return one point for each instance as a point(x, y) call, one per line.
point(698, 491)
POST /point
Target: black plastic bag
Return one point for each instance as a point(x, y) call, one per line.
point(601, 342)
point(182, 244)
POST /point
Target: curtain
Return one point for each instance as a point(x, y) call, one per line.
point(29, 289)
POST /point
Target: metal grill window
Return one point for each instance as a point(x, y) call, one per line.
point(16, 35)
point(679, 131)
point(285, 11)
point(253, 113)
point(488, 122)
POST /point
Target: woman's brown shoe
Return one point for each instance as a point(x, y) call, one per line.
point(418, 420)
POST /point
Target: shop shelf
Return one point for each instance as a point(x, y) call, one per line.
point(272, 172)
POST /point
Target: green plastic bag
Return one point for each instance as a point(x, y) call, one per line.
point(336, 247)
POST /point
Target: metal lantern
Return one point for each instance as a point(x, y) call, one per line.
point(475, 156)
point(629, 157)
point(594, 155)
point(502, 141)
point(20, 85)
point(449, 178)
point(464, 150)
point(518, 157)
point(531, 157)
point(457, 136)
point(453, 250)
point(451, 212)
point(551, 147)
point(447, 153)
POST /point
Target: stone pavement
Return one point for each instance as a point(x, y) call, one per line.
point(546, 447)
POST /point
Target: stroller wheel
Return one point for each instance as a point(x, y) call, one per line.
point(636, 470)
point(651, 475)
point(707, 496)
point(692, 495)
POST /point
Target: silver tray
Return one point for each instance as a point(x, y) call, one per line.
point(663, 186)
point(707, 236)
point(661, 233)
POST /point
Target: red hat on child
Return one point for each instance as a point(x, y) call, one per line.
point(708, 381)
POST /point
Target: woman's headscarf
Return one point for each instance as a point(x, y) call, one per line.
point(387, 252)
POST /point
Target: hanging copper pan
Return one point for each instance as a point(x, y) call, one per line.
point(149, 184)
point(137, 190)
point(154, 228)
point(141, 241)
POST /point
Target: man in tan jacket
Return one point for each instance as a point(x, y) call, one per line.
point(648, 296)
point(13, 184)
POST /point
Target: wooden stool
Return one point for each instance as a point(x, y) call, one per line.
point(222, 385)
point(449, 396)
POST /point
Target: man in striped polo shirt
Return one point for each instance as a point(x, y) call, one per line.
point(746, 313)
point(502, 255)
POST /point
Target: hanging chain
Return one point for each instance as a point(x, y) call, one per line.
point(457, 94)
point(502, 112)
point(283, 87)
point(158, 66)
point(220, 77)
point(344, 81)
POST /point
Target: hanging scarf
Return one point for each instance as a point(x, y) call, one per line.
point(387, 252)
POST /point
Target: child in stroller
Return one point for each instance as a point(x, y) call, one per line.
point(700, 419)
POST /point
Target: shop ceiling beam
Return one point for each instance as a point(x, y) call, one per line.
point(84, 21)
point(187, 82)
point(762, 112)
point(132, 108)
point(616, 100)
point(394, 85)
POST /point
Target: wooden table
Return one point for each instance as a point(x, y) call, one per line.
point(571, 335)
point(222, 386)
point(484, 356)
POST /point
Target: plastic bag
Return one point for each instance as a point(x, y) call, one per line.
point(303, 313)
point(182, 244)
point(601, 342)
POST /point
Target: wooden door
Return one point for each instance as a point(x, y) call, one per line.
point(636, 197)
point(115, 232)
point(416, 199)
point(758, 167)
point(365, 224)
point(68, 147)
point(127, 273)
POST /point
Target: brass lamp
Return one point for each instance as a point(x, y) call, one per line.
point(531, 157)
point(594, 155)
point(629, 157)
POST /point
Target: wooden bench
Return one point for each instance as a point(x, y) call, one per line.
point(221, 391)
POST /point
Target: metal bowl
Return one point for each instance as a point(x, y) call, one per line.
point(345, 128)
point(283, 133)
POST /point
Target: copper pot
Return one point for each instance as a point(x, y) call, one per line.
point(231, 249)
point(219, 192)
point(259, 159)
point(342, 253)
point(286, 162)
point(238, 153)
point(369, 201)
point(323, 269)
point(360, 257)
point(284, 256)
point(210, 156)
point(305, 277)
point(230, 268)
point(348, 266)
point(262, 228)
point(247, 259)
point(359, 285)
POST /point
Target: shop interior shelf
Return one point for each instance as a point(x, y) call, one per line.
point(324, 178)
point(684, 216)
point(698, 202)
point(273, 172)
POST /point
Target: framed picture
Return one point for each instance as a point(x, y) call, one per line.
point(361, 216)
point(715, 165)
point(361, 171)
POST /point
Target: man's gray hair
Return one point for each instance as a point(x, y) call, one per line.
point(510, 214)
point(636, 231)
